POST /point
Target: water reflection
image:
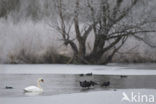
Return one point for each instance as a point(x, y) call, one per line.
point(32, 93)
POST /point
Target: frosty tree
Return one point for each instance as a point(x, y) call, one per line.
point(111, 22)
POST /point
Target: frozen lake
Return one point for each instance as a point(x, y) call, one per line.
point(66, 84)
point(64, 79)
point(111, 69)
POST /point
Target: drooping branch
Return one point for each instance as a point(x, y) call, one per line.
point(146, 42)
point(112, 44)
point(115, 50)
point(118, 15)
point(128, 33)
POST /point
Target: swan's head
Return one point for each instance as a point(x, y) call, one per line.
point(41, 80)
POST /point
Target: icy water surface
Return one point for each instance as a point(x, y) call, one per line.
point(69, 83)
point(61, 84)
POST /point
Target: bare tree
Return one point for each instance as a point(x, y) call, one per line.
point(111, 25)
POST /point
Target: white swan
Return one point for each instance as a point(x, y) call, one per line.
point(35, 88)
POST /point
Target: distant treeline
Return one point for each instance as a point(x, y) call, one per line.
point(33, 9)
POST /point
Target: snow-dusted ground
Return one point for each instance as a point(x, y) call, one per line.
point(99, 97)
point(75, 69)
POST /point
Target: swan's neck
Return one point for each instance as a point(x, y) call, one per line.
point(38, 84)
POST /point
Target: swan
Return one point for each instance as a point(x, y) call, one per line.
point(35, 88)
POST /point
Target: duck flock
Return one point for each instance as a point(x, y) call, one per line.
point(88, 84)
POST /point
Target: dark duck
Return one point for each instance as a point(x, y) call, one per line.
point(123, 76)
point(8, 87)
point(87, 84)
point(105, 84)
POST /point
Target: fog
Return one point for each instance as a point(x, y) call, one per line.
point(26, 24)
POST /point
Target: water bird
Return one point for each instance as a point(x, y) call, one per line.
point(93, 83)
point(89, 74)
point(123, 76)
point(35, 88)
point(87, 84)
point(106, 84)
point(81, 75)
point(8, 87)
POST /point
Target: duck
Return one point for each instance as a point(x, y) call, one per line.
point(123, 76)
point(81, 75)
point(106, 84)
point(93, 83)
point(89, 74)
point(35, 88)
point(85, 84)
point(8, 87)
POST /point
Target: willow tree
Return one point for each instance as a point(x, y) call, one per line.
point(111, 24)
